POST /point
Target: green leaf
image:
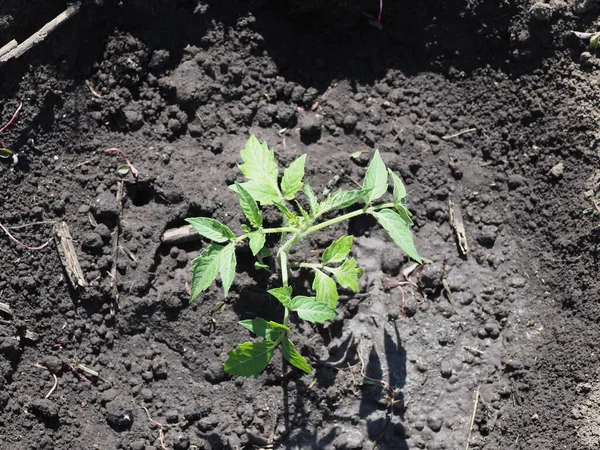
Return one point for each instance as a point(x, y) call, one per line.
point(375, 178)
point(405, 214)
point(205, 269)
point(257, 241)
point(341, 200)
point(278, 326)
point(313, 202)
point(250, 358)
point(338, 250)
point(290, 216)
point(309, 309)
point(261, 169)
point(5, 153)
point(268, 330)
point(399, 189)
point(246, 228)
point(398, 230)
point(305, 215)
point(263, 193)
point(123, 169)
point(347, 274)
point(291, 182)
point(211, 229)
point(249, 207)
point(227, 263)
point(283, 294)
point(261, 266)
point(325, 288)
point(293, 357)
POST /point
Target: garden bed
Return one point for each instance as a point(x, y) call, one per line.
point(485, 108)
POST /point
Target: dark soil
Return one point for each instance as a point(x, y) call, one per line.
point(484, 103)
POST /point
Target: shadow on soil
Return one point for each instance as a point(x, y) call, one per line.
point(382, 387)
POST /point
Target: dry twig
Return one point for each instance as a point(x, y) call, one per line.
point(473, 416)
point(68, 256)
point(55, 379)
point(39, 35)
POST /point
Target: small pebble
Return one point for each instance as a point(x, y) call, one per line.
point(541, 11)
point(557, 171)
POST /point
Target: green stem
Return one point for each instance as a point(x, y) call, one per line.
point(284, 280)
point(335, 220)
point(280, 230)
point(312, 266)
point(382, 206)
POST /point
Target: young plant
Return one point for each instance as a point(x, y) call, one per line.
point(124, 169)
point(593, 38)
point(335, 269)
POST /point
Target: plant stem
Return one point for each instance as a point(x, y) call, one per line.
point(280, 230)
point(284, 280)
point(308, 265)
point(335, 220)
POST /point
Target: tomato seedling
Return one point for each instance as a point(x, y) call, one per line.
point(335, 269)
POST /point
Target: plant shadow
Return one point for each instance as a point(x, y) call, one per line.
point(381, 410)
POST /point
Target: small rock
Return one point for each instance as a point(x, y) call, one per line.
point(310, 125)
point(350, 439)
point(172, 416)
point(109, 395)
point(265, 115)
point(492, 329)
point(92, 241)
point(106, 205)
point(286, 115)
point(514, 181)
point(435, 422)
point(133, 118)
point(147, 394)
point(45, 409)
point(119, 414)
point(350, 122)
point(541, 11)
point(514, 364)
point(586, 59)
point(215, 373)
point(53, 364)
point(137, 445)
point(104, 232)
point(446, 369)
point(517, 282)
point(487, 237)
point(557, 171)
point(174, 125)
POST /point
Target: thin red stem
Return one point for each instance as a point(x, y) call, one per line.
point(134, 171)
point(12, 118)
point(21, 244)
point(380, 10)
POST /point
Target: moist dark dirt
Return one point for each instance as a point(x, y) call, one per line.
point(490, 105)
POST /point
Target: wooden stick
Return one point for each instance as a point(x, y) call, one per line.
point(456, 222)
point(185, 233)
point(5, 308)
point(41, 34)
point(8, 47)
point(68, 256)
point(473, 416)
point(461, 132)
